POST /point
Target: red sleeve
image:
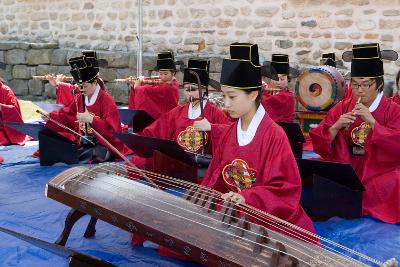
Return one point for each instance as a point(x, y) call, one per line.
point(67, 117)
point(383, 141)
point(11, 112)
point(64, 93)
point(163, 127)
point(280, 107)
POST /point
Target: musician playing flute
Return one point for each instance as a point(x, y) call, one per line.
point(157, 99)
point(365, 131)
point(281, 105)
point(98, 111)
point(177, 124)
point(9, 112)
point(65, 92)
point(253, 162)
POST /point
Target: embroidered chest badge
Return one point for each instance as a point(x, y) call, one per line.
point(82, 126)
point(238, 174)
point(360, 134)
point(191, 140)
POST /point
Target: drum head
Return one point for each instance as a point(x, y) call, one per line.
point(319, 88)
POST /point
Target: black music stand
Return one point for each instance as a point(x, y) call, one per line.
point(145, 147)
point(136, 119)
point(295, 136)
point(336, 189)
point(53, 147)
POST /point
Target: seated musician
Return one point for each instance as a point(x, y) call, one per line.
point(9, 112)
point(95, 109)
point(157, 99)
point(396, 96)
point(253, 162)
point(364, 130)
point(280, 106)
point(177, 124)
point(65, 92)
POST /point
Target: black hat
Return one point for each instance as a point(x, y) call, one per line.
point(166, 61)
point(242, 70)
point(201, 67)
point(328, 59)
point(279, 64)
point(367, 60)
point(82, 69)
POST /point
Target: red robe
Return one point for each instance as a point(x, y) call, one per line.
point(155, 99)
point(396, 99)
point(379, 168)
point(10, 112)
point(273, 182)
point(280, 107)
point(106, 120)
point(175, 125)
point(64, 93)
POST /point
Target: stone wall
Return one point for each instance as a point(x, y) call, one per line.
point(302, 28)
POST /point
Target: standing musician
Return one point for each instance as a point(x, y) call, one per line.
point(365, 130)
point(9, 112)
point(281, 105)
point(253, 162)
point(157, 99)
point(177, 124)
point(91, 108)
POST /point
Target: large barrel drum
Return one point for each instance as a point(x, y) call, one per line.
point(319, 88)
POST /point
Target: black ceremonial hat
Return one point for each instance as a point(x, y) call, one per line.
point(201, 67)
point(242, 70)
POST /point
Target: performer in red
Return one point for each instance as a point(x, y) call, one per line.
point(98, 111)
point(364, 130)
point(177, 124)
point(9, 112)
point(396, 97)
point(157, 99)
point(281, 105)
point(65, 91)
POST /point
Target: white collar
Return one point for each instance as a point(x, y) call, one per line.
point(94, 97)
point(376, 102)
point(194, 113)
point(245, 137)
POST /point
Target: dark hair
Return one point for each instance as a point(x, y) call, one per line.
point(258, 99)
point(380, 82)
point(397, 80)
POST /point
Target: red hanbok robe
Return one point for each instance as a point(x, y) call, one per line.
point(64, 93)
point(280, 107)
point(1, 159)
point(396, 99)
point(106, 120)
point(155, 99)
point(273, 183)
point(10, 112)
point(176, 125)
point(379, 168)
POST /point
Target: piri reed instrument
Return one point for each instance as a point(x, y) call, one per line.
point(197, 224)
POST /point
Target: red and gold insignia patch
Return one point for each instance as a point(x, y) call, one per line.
point(360, 134)
point(191, 140)
point(239, 175)
point(82, 127)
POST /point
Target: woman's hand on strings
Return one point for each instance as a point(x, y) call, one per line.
point(364, 114)
point(202, 125)
point(234, 197)
point(85, 117)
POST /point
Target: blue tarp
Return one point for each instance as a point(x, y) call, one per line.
point(24, 208)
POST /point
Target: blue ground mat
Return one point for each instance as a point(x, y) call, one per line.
point(25, 208)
